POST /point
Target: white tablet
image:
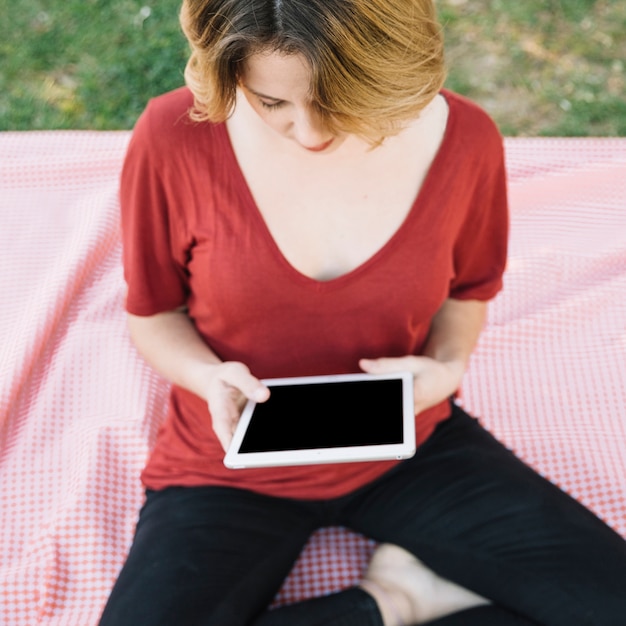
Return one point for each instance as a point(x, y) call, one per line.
point(327, 419)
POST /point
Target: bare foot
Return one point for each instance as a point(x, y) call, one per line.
point(408, 592)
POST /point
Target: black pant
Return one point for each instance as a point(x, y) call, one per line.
point(463, 504)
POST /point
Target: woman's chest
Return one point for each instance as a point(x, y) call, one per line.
point(348, 240)
point(327, 226)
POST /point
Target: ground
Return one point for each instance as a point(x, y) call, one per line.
point(540, 67)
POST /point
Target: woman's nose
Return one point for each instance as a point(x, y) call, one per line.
point(309, 130)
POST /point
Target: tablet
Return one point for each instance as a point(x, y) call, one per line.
point(327, 419)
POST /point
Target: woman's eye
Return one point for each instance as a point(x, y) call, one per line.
point(270, 105)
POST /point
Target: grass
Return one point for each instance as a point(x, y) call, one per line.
point(540, 67)
point(85, 63)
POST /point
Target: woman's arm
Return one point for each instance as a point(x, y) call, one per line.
point(453, 335)
point(171, 344)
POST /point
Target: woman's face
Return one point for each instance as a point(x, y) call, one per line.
point(277, 86)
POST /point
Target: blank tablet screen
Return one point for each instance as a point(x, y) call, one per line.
point(327, 415)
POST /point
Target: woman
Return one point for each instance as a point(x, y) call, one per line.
point(315, 203)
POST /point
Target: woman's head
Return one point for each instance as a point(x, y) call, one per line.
point(374, 64)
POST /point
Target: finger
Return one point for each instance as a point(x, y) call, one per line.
point(387, 365)
point(225, 411)
point(224, 427)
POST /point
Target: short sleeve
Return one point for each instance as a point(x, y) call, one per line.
point(480, 249)
point(153, 245)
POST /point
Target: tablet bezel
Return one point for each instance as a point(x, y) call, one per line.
point(396, 451)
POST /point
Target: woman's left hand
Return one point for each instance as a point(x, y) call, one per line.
point(434, 381)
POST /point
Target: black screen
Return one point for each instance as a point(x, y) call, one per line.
point(327, 415)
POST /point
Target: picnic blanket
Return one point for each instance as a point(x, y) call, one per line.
point(79, 409)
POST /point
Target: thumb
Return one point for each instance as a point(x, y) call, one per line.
point(238, 376)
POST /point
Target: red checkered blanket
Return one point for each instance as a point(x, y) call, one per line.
point(79, 409)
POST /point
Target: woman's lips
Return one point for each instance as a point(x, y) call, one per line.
point(321, 147)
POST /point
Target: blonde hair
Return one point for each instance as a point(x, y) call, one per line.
point(375, 64)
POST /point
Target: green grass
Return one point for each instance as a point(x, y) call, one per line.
point(86, 63)
point(540, 67)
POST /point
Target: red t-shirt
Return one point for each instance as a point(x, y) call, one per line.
point(194, 236)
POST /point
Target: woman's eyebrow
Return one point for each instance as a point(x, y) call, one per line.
point(262, 95)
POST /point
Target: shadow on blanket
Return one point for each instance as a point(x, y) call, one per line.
point(79, 410)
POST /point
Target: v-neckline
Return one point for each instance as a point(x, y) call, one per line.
point(383, 250)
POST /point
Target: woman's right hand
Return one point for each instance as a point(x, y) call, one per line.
point(230, 385)
point(170, 342)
